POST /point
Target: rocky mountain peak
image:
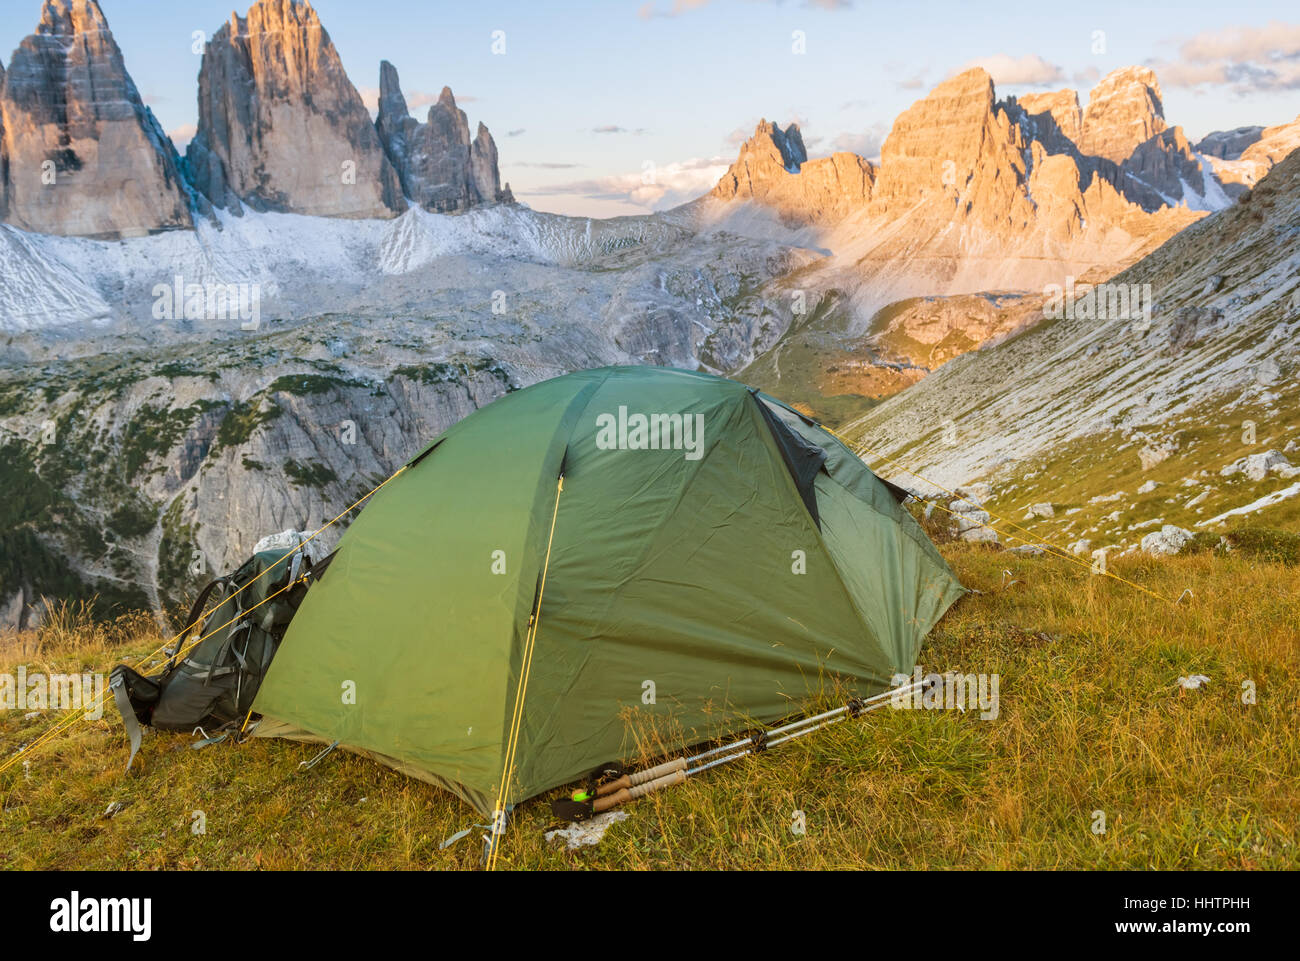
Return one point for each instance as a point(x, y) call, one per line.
point(70, 18)
point(281, 127)
point(1061, 107)
point(788, 143)
point(773, 168)
point(1229, 144)
point(4, 156)
point(957, 145)
point(1124, 110)
point(66, 92)
point(440, 166)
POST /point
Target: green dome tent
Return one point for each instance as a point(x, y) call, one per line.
point(706, 545)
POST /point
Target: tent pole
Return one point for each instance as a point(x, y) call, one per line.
point(640, 783)
point(801, 722)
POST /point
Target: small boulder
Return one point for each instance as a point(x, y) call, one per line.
point(1148, 487)
point(1258, 466)
point(977, 493)
point(1080, 546)
point(980, 535)
point(1167, 541)
point(1040, 510)
point(1157, 452)
point(969, 520)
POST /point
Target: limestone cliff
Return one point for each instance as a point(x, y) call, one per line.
point(281, 127)
point(440, 167)
point(80, 153)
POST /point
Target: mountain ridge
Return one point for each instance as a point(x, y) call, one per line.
point(281, 128)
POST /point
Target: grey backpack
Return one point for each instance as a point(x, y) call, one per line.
point(212, 684)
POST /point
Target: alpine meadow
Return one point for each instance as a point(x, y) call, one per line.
point(906, 483)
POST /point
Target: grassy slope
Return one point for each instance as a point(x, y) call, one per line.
point(1090, 720)
point(1103, 465)
point(1070, 403)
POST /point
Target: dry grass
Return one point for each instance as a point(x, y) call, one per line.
point(1091, 720)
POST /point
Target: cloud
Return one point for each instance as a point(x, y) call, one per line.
point(865, 143)
point(614, 128)
point(651, 10)
point(676, 9)
point(1245, 59)
point(1029, 70)
point(542, 165)
point(1087, 77)
point(516, 133)
point(657, 188)
point(737, 137)
point(1245, 44)
point(182, 136)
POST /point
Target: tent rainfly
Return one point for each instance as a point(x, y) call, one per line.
point(703, 555)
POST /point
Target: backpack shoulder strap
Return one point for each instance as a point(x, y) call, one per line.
point(195, 613)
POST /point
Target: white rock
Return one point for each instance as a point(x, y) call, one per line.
point(587, 833)
point(969, 520)
point(980, 535)
point(1106, 498)
point(1028, 550)
point(1193, 682)
point(1080, 546)
point(978, 493)
point(1258, 466)
point(1168, 540)
point(1157, 453)
point(1148, 487)
point(1268, 372)
point(1040, 510)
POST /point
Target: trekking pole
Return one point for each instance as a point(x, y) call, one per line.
point(597, 798)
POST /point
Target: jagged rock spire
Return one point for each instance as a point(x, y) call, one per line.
point(440, 166)
point(281, 127)
point(66, 93)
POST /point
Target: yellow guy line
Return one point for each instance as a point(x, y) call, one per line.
point(64, 725)
point(521, 691)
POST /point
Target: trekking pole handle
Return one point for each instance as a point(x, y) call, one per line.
point(629, 781)
point(623, 795)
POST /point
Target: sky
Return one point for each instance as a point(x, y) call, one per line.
point(609, 107)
